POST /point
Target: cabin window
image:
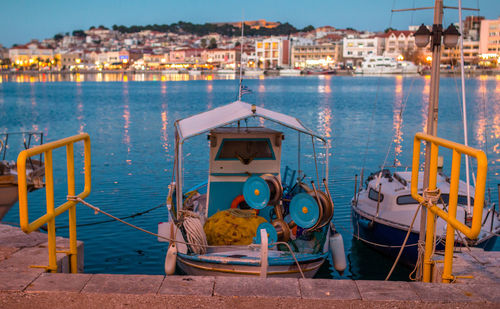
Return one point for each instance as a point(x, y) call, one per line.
point(406, 200)
point(373, 195)
point(254, 149)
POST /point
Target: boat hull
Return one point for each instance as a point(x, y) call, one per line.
point(194, 266)
point(387, 235)
point(9, 196)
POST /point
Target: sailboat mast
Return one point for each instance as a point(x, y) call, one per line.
point(432, 118)
point(464, 109)
point(241, 61)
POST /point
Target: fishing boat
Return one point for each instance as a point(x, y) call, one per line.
point(35, 171)
point(249, 218)
point(382, 212)
point(254, 72)
point(321, 72)
point(290, 72)
point(384, 65)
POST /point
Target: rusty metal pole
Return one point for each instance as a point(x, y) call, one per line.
point(432, 118)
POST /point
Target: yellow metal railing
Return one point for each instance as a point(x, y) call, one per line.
point(450, 216)
point(52, 213)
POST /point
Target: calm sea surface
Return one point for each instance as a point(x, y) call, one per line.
point(130, 121)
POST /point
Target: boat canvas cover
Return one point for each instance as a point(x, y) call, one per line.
point(233, 112)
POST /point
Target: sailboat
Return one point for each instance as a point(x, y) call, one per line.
point(382, 210)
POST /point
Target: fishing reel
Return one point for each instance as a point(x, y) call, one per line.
point(310, 210)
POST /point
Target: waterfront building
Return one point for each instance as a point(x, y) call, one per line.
point(31, 54)
point(71, 60)
point(452, 55)
point(320, 55)
point(472, 27)
point(399, 44)
point(187, 56)
point(272, 52)
point(223, 58)
point(489, 42)
point(356, 48)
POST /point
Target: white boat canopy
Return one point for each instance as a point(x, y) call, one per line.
point(230, 113)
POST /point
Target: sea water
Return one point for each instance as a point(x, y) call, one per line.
point(367, 121)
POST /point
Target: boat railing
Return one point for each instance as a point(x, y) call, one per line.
point(430, 202)
point(51, 213)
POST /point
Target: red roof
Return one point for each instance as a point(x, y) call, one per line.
point(397, 33)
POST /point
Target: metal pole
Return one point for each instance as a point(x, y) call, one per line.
point(433, 106)
point(464, 109)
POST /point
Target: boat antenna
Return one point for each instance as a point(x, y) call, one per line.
point(464, 110)
point(241, 57)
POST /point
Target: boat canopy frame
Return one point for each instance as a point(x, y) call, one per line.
point(225, 115)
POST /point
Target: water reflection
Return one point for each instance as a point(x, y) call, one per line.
point(164, 117)
point(109, 77)
point(397, 120)
point(425, 100)
point(126, 117)
point(79, 108)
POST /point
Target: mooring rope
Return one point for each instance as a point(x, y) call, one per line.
point(97, 209)
point(404, 243)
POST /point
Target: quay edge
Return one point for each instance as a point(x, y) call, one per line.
point(22, 286)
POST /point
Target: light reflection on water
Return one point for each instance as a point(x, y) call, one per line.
point(131, 127)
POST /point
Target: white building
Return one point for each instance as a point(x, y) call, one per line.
point(273, 52)
point(357, 48)
point(399, 43)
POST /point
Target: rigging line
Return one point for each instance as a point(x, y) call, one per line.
point(404, 243)
point(110, 220)
point(97, 209)
point(403, 107)
point(368, 140)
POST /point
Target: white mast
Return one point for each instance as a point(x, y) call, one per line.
point(241, 56)
point(464, 109)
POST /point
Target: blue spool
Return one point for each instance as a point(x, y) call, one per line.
point(256, 192)
point(304, 210)
point(272, 235)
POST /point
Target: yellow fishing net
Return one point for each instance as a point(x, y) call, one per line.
point(232, 227)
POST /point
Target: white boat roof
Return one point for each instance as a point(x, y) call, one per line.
point(230, 113)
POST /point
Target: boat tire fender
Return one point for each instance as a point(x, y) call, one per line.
point(238, 200)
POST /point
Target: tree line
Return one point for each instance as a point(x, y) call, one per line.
point(182, 27)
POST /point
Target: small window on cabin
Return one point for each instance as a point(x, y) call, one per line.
point(259, 149)
point(373, 195)
point(406, 200)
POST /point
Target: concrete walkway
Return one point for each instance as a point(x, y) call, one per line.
point(25, 287)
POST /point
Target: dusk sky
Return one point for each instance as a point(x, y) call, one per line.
point(23, 20)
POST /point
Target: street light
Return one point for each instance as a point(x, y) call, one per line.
point(423, 35)
point(451, 35)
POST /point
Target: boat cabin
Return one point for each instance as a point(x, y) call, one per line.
point(236, 153)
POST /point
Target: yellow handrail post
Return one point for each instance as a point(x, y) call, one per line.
point(431, 217)
point(51, 223)
point(52, 213)
point(70, 163)
point(450, 216)
point(452, 212)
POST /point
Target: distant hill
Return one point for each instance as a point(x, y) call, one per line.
point(182, 27)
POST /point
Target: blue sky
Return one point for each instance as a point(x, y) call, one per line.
point(22, 20)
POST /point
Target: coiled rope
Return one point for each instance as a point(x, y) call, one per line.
point(194, 231)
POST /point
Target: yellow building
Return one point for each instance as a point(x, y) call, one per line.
point(324, 55)
point(31, 54)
